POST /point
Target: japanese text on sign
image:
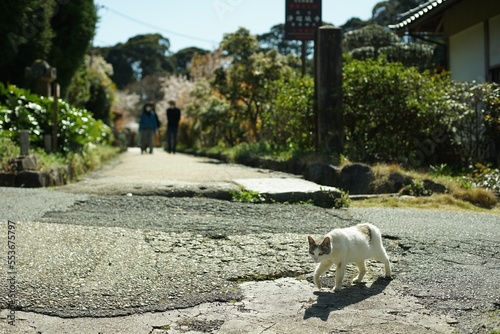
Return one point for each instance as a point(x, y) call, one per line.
point(303, 17)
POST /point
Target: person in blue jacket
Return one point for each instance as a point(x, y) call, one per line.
point(148, 124)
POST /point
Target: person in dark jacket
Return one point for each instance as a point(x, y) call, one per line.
point(173, 118)
point(148, 124)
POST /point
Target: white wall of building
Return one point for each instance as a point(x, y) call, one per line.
point(467, 60)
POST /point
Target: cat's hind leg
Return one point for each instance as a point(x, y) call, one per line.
point(362, 271)
point(339, 276)
point(382, 257)
point(320, 270)
point(387, 265)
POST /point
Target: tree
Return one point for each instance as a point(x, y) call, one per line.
point(246, 82)
point(371, 41)
point(139, 57)
point(54, 30)
point(354, 23)
point(386, 12)
point(275, 40)
point(123, 73)
point(26, 35)
point(74, 24)
point(182, 59)
point(92, 88)
point(373, 36)
point(205, 66)
point(240, 45)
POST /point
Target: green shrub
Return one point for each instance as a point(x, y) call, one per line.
point(8, 150)
point(289, 120)
point(21, 110)
point(371, 41)
point(474, 121)
point(390, 109)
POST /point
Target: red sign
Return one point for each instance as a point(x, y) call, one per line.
point(303, 17)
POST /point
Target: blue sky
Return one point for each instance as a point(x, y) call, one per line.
point(203, 23)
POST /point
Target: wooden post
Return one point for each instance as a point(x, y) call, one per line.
point(330, 133)
point(47, 143)
point(55, 112)
point(304, 56)
point(24, 142)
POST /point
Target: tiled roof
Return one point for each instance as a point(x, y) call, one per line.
point(421, 12)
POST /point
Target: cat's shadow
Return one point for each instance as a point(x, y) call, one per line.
point(330, 301)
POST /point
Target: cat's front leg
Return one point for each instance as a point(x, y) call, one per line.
point(320, 270)
point(317, 281)
point(339, 276)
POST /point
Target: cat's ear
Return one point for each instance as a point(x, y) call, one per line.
point(311, 241)
point(326, 242)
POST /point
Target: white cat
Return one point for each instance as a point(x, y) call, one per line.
point(346, 245)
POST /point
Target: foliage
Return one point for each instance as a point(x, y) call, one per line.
point(20, 110)
point(91, 158)
point(482, 176)
point(410, 54)
point(141, 56)
point(74, 24)
point(181, 60)
point(475, 122)
point(386, 12)
point(371, 41)
point(289, 121)
point(251, 151)
point(8, 150)
point(275, 40)
point(210, 117)
point(55, 30)
point(416, 188)
point(353, 23)
point(91, 88)
point(248, 196)
point(205, 66)
point(373, 36)
point(246, 83)
point(391, 109)
point(26, 36)
point(343, 201)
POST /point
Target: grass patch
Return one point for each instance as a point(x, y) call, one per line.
point(434, 202)
point(247, 196)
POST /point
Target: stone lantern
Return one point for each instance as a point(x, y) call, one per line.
point(41, 76)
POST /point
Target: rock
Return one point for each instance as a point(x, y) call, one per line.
point(397, 180)
point(7, 179)
point(25, 163)
point(391, 183)
point(435, 188)
point(31, 179)
point(356, 179)
point(323, 174)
